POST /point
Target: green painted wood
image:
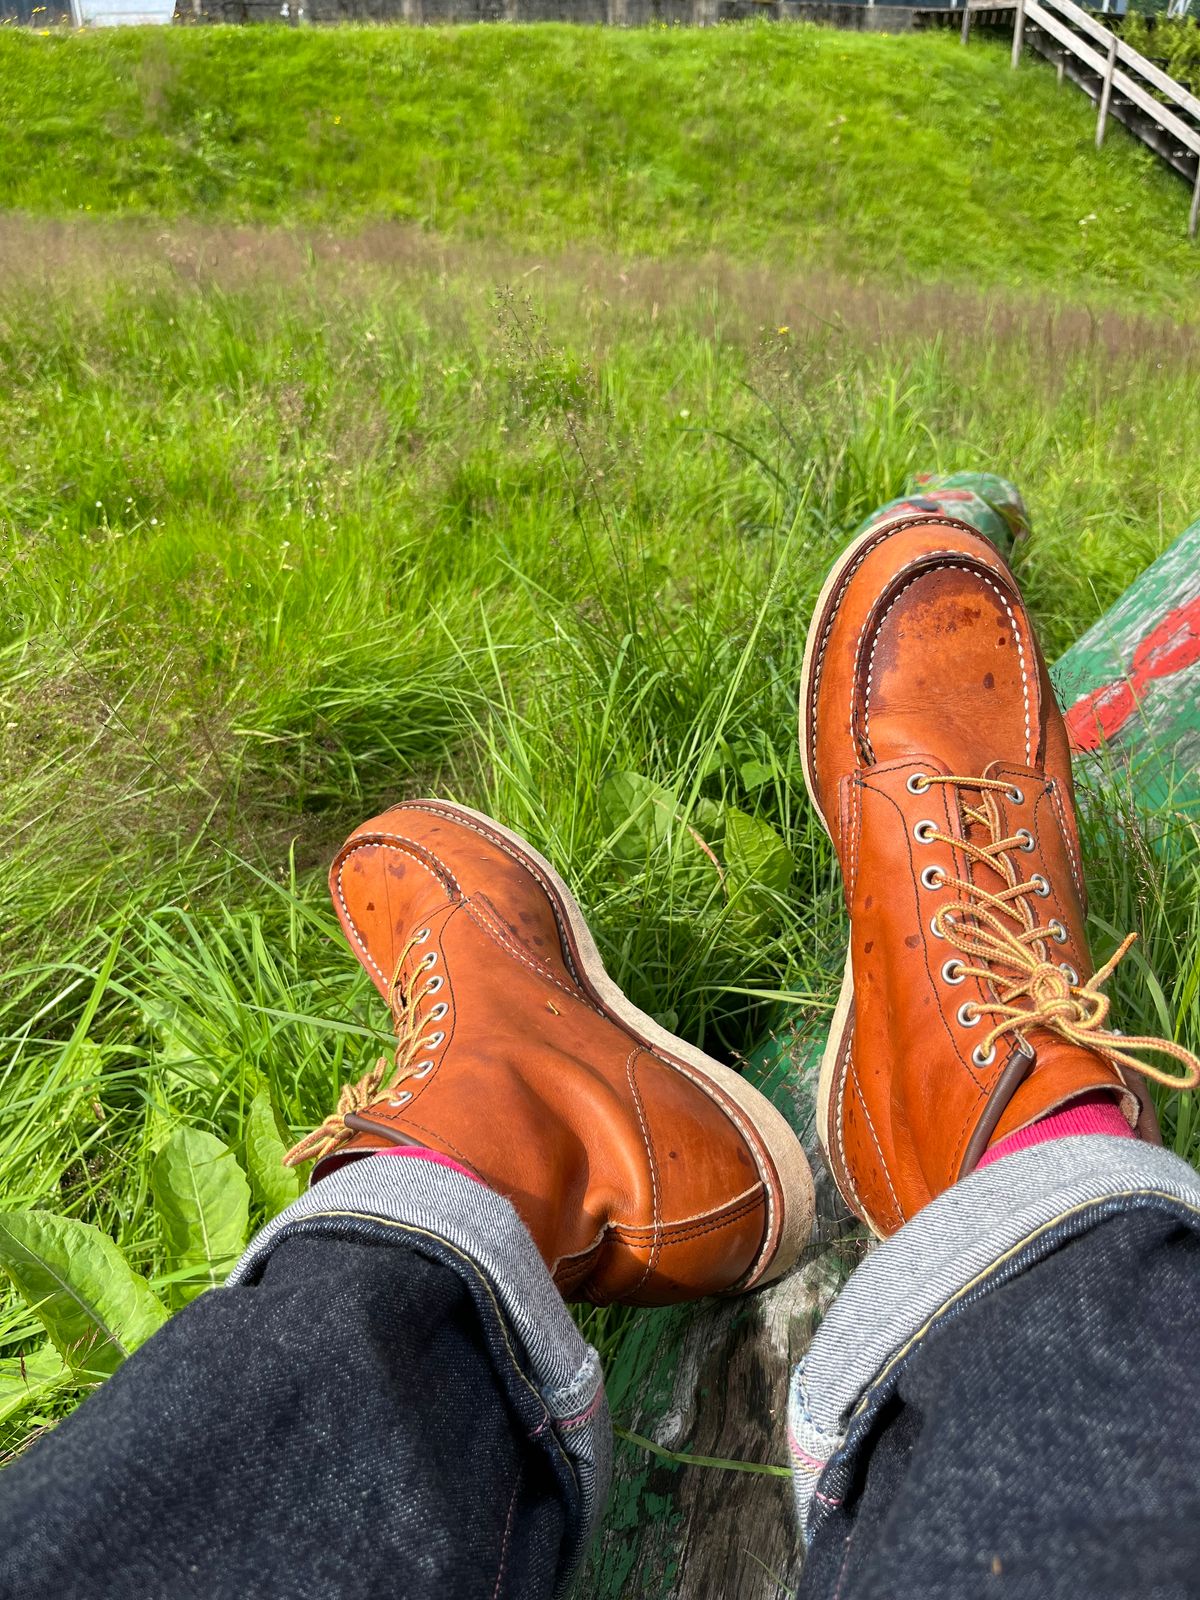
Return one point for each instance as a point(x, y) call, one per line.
point(711, 1379)
point(1131, 686)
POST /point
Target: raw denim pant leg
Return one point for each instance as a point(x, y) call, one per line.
point(1021, 1415)
point(357, 1414)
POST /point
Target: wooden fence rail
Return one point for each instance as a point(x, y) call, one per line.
point(1159, 111)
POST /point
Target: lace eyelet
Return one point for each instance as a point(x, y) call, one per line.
point(1056, 931)
point(435, 1039)
point(1039, 885)
point(967, 1015)
point(420, 938)
point(982, 1058)
point(923, 831)
point(1068, 972)
point(439, 1011)
point(423, 1070)
point(435, 983)
point(933, 878)
point(917, 784)
point(430, 960)
point(1016, 795)
point(1026, 838)
point(934, 930)
point(952, 972)
point(399, 1099)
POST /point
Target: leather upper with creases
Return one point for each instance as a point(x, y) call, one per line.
point(638, 1180)
point(926, 664)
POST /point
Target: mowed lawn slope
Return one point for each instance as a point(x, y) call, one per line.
point(905, 156)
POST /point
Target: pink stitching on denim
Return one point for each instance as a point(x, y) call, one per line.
point(584, 1416)
point(512, 1506)
point(813, 1461)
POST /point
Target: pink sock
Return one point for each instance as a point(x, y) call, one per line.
point(428, 1155)
point(1094, 1113)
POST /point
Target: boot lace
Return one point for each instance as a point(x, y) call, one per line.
point(380, 1084)
point(1000, 930)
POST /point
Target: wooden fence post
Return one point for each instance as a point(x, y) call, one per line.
point(966, 23)
point(1106, 92)
point(1018, 34)
point(1195, 216)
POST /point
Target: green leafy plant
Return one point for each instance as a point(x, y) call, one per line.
point(95, 1308)
point(275, 1186)
point(648, 819)
point(203, 1203)
point(1174, 42)
point(27, 1379)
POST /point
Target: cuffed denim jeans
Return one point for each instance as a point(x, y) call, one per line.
point(390, 1398)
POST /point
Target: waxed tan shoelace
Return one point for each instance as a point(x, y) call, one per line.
point(1038, 993)
point(378, 1084)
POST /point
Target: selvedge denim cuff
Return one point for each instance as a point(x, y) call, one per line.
point(970, 1240)
point(552, 1374)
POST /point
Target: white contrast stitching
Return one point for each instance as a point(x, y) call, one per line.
point(839, 1126)
point(1064, 828)
point(522, 861)
point(956, 566)
point(913, 520)
point(490, 925)
point(874, 1136)
point(656, 1221)
point(756, 1142)
point(392, 842)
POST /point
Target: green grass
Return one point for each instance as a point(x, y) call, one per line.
point(297, 523)
point(864, 154)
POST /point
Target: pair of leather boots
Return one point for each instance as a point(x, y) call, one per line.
point(646, 1171)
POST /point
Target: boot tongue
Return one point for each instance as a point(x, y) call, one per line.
point(951, 654)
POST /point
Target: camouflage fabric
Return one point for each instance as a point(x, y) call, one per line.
point(990, 504)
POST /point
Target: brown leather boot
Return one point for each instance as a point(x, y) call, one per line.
point(936, 755)
point(646, 1172)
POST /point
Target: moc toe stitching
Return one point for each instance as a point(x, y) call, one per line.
point(928, 566)
point(405, 847)
point(869, 545)
point(530, 866)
